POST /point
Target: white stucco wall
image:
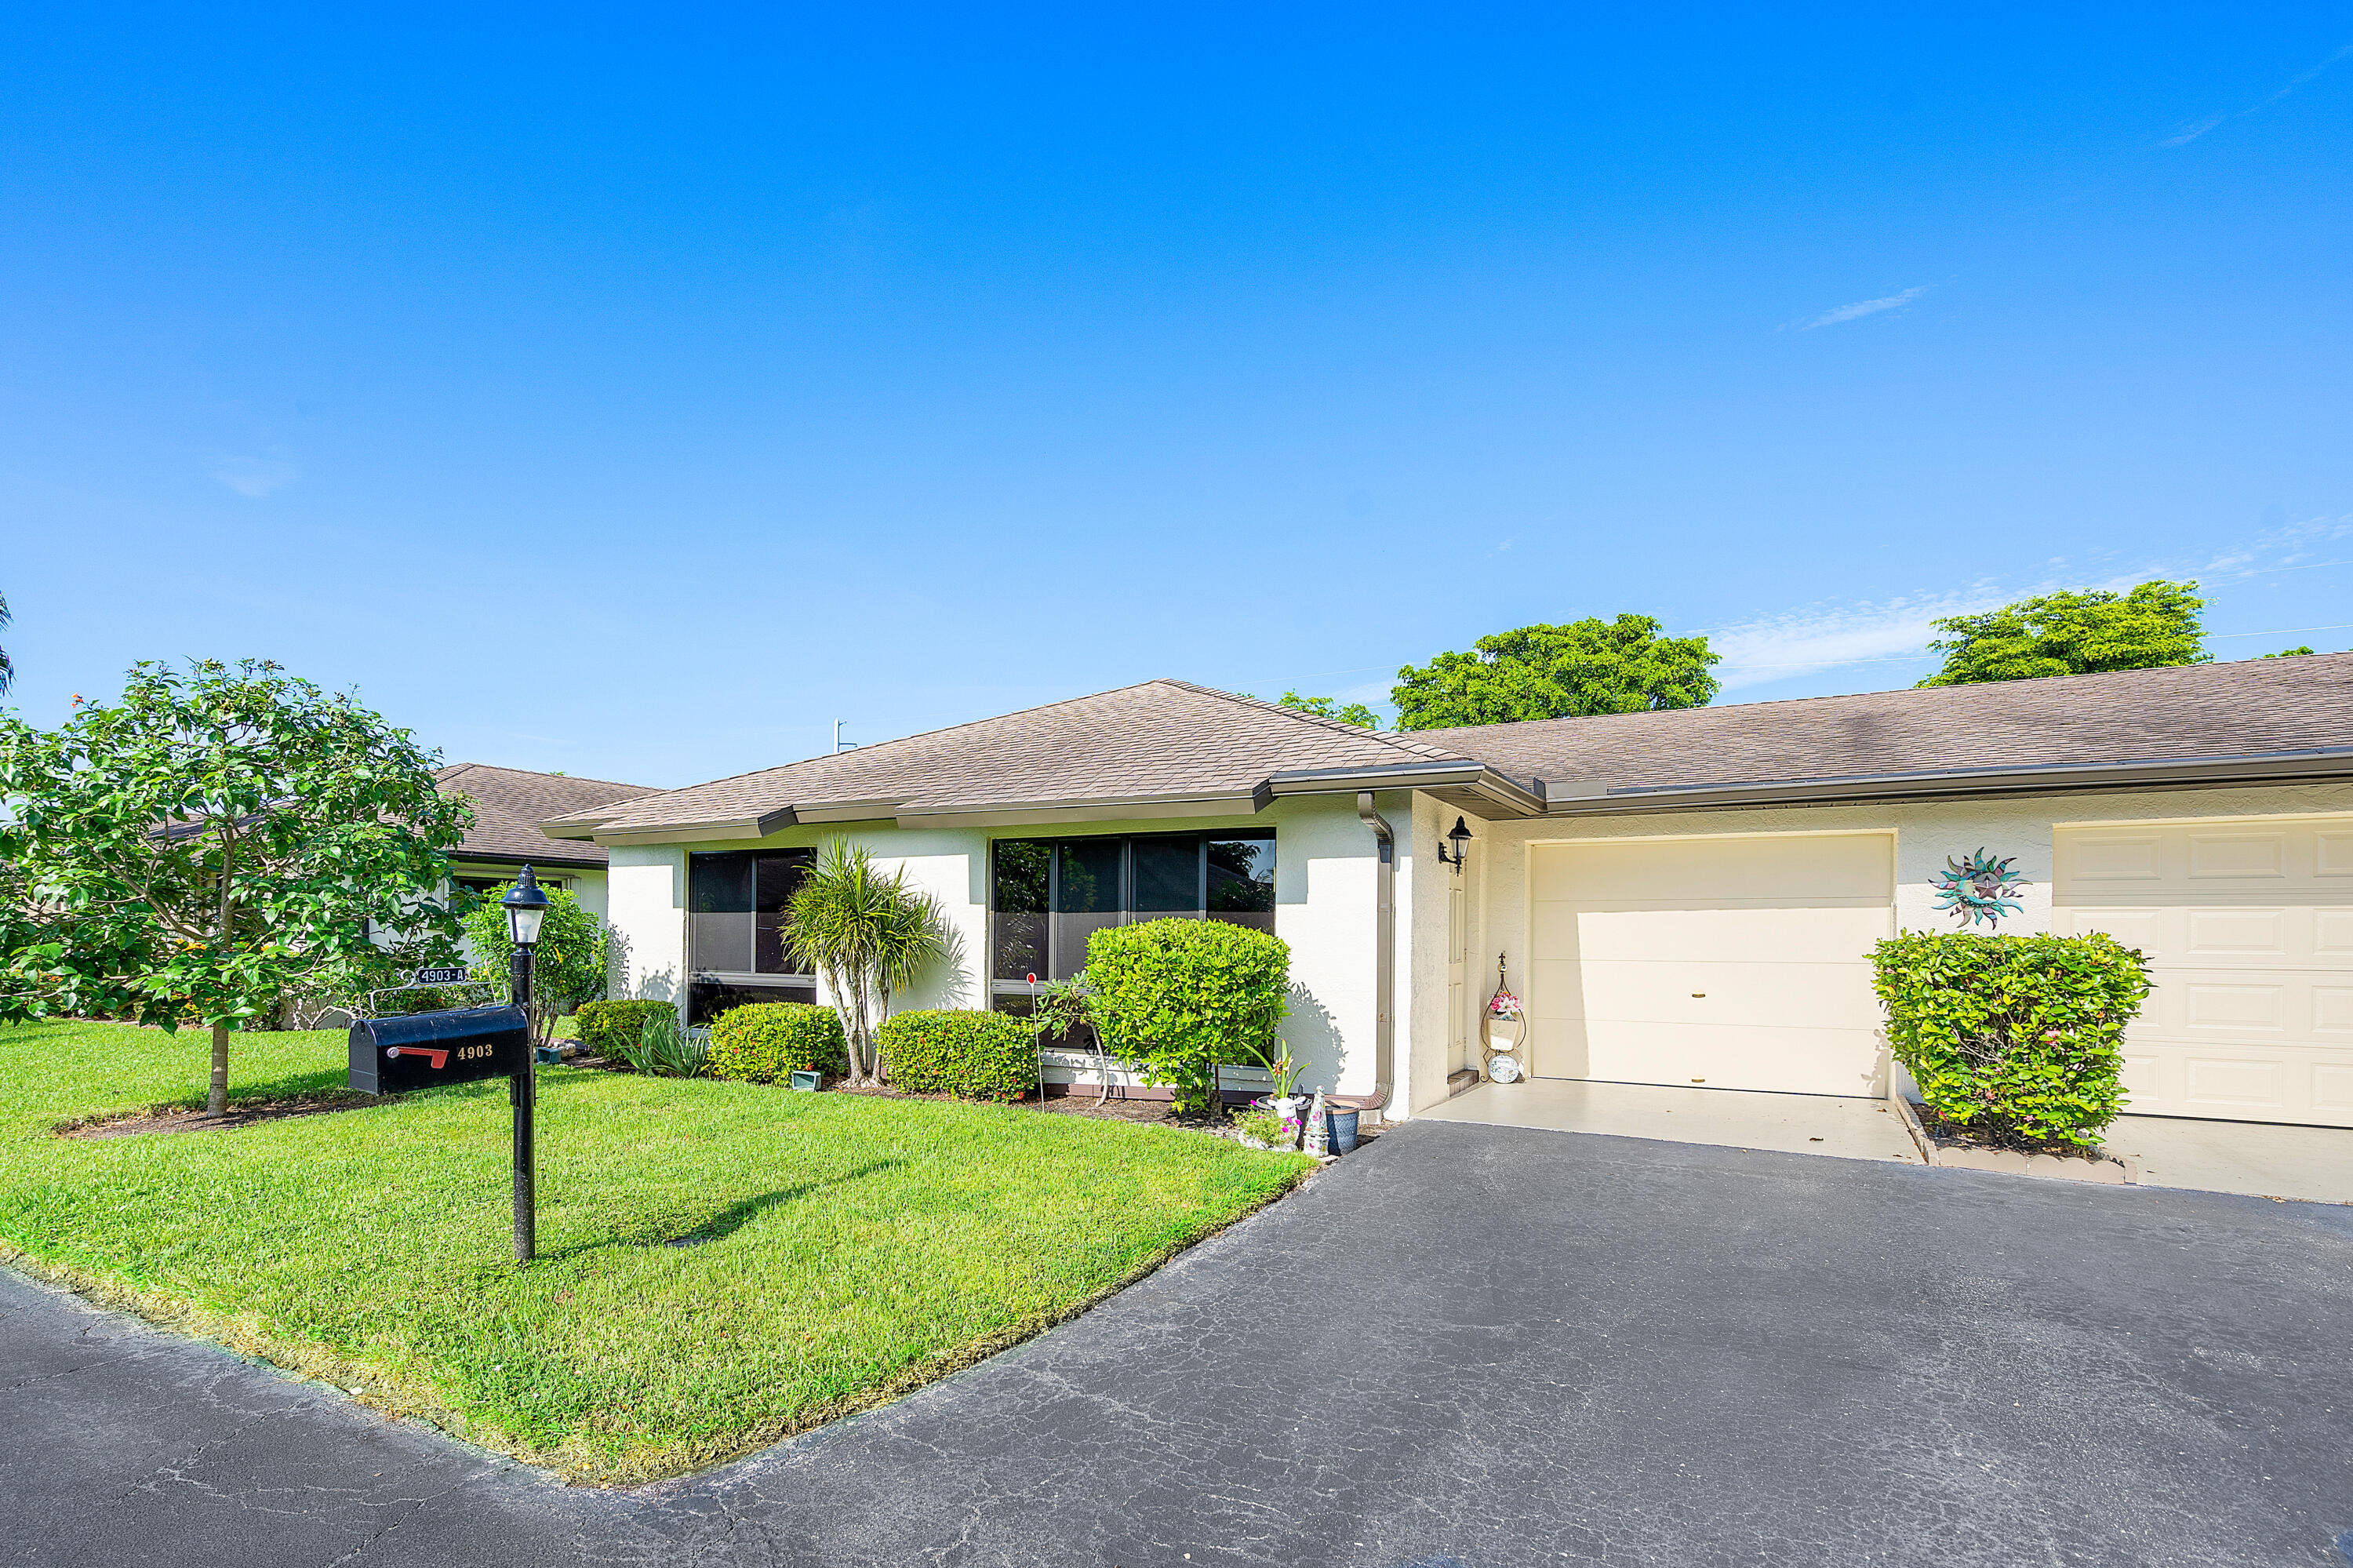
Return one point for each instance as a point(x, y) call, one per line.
point(646, 906)
point(1323, 911)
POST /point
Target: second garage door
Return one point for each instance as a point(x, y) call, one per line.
point(1739, 963)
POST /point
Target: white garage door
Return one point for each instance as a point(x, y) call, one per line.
point(1740, 963)
point(2249, 927)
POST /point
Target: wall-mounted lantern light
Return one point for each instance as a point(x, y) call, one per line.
point(1461, 839)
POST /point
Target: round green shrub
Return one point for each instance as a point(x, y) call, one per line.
point(764, 1041)
point(972, 1056)
point(605, 1027)
point(1181, 998)
point(2013, 1037)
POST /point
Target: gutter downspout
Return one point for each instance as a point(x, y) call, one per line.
point(1384, 960)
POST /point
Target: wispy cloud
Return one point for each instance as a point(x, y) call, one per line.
point(1862, 308)
point(1830, 636)
point(2196, 128)
point(253, 477)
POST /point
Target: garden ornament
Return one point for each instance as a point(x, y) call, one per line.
point(1978, 889)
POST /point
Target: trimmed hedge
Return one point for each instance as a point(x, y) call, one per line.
point(972, 1056)
point(764, 1041)
point(2013, 1037)
point(605, 1027)
point(1182, 998)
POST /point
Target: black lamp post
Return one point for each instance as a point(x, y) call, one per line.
point(526, 908)
point(1461, 839)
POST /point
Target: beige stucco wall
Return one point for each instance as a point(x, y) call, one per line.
point(1926, 834)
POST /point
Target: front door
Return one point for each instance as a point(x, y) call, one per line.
point(1458, 1012)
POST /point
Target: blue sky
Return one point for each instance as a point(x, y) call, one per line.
point(904, 368)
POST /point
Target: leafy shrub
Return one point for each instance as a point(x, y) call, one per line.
point(665, 1050)
point(2013, 1036)
point(1266, 1127)
point(566, 968)
point(972, 1056)
point(608, 1027)
point(1178, 998)
point(764, 1042)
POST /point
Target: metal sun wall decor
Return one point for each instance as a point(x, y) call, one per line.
point(1979, 889)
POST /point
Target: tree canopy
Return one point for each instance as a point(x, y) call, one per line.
point(7, 671)
point(1584, 667)
point(217, 840)
point(1357, 714)
point(567, 966)
point(2073, 633)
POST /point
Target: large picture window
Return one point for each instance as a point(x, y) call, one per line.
point(1047, 896)
point(735, 922)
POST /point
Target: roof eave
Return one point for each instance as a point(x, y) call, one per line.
point(1472, 785)
point(2051, 779)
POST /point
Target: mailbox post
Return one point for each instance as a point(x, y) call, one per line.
point(526, 906)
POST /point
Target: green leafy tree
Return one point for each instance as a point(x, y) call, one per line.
point(227, 834)
point(568, 968)
point(869, 934)
point(1357, 714)
point(1589, 666)
point(2154, 625)
point(2288, 654)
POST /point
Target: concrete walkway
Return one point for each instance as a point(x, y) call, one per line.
point(2264, 1158)
point(1465, 1345)
point(1740, 1119)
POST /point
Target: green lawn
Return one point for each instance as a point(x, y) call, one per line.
point(852, 1248)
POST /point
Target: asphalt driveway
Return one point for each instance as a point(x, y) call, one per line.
point(1485, 1345)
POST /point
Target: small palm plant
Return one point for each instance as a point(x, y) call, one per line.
point(868, 935)
point(664, 1050)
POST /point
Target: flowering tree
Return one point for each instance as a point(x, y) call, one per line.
point(217, 839)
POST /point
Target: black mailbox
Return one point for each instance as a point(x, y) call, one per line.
point(426, 1050)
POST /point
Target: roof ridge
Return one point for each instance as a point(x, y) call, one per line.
point(1394, 739)
point(451, 769)
point(873, 746)
point(1884, 692)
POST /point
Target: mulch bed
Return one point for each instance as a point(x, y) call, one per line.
point(1952, 1135)
point(177, 1119)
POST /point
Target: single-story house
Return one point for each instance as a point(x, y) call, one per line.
point(509, 805)
point(1679, 897)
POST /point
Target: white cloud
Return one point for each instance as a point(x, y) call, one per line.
point(1833, 636)
point(253, 477)
point(2191, 132)
point(1863, 308)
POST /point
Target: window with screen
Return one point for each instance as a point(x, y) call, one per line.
point(735, 928)
point(1047, 896)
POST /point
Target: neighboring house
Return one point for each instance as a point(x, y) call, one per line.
point(509, 805)
point(1682, 897)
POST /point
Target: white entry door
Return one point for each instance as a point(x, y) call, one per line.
point(1458, 941)
point(2248, 926)
point(1739, 962)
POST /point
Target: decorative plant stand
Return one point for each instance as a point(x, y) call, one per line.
point(1503, 1033)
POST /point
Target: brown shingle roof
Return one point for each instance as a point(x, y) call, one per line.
point(2258, 706)
point(510, 804)
point(1171, 740)
point(1159, 739)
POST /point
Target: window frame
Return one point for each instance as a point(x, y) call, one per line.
point(1000, 988)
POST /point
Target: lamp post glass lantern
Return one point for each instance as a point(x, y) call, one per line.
point(526, 908)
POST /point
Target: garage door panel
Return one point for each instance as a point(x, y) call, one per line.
point(1737, 1056)
point(1783, 995)
point(1771, 935)
point(1704, 873)
point(2249, 930)
point(1743, 962)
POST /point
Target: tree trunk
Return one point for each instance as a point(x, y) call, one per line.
point(216, 1097)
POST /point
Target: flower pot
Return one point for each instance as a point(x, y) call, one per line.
point(1340, 1131)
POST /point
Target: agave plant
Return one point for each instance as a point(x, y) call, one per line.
point(664, 1050)
point(869, 934)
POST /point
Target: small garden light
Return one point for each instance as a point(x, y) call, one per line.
point(526, 908)
point(1461, 839)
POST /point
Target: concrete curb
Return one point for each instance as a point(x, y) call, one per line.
point(2109, 1170)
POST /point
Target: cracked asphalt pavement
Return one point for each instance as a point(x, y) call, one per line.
point(1466, 1345)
